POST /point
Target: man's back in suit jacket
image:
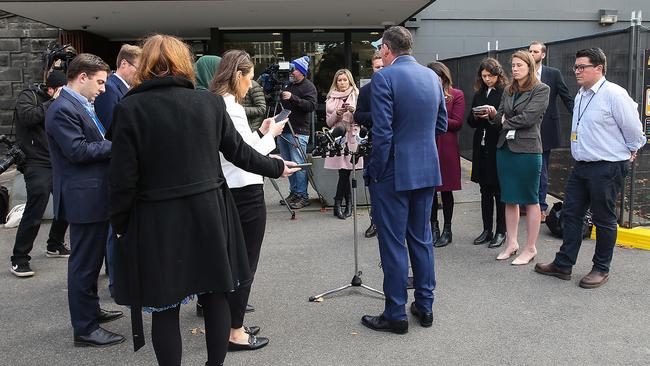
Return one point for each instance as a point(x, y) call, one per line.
point(550, 128)
point(408, 110)
point(80, 159)
point(106, 102)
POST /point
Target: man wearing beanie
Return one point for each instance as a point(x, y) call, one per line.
point(29, 117)
point(300, 98)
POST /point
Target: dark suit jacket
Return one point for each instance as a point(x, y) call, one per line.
point(551, 122)
point(484, 160)
point(362, 115)
point(80, 159)
point(525, 116)
point(408, 110)
point(106, 102)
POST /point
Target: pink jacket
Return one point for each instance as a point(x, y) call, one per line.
point(333, 103)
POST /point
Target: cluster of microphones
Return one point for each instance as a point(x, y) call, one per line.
point(334, 143)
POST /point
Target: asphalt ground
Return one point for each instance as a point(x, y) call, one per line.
point(485, 312)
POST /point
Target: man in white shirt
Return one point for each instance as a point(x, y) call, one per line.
point(606, 134)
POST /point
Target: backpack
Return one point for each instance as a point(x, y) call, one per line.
point(555, 222)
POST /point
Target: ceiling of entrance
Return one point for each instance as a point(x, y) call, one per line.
point(123, 20)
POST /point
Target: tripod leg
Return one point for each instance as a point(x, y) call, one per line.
point(372, 289)
point(277, 189)
point(313, 298)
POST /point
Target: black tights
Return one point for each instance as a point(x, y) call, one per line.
point(343, 185)
point(447, 207)
point(166, 333)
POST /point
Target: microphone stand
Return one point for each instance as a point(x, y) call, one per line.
point(356, 277)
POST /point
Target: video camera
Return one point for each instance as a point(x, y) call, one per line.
point(54, 53)
point(13, 156)
point(275, 78)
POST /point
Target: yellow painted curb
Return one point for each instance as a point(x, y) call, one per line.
point(638, 237)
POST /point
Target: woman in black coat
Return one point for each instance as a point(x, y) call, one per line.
point(490, 82)
point(178, 231)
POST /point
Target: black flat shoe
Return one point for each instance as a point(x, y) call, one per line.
point(497, 241)
point(249, 308)
point(426, 318)
point(99, 338)
point(485, 237)
point(106, 316)
point(371, 231)
point(253, 344)
point(381, 324)
point(252, 330)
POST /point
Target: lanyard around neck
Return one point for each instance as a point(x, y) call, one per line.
point(582, 113)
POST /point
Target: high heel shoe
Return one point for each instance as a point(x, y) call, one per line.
point(506, 255)
point(520, 262)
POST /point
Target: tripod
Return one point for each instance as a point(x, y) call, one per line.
point(356, 277)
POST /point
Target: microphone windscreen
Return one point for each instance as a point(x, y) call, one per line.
point(338, 132)
point(363, 132)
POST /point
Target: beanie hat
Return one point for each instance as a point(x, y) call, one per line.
point(56, 79)
point(301, 64)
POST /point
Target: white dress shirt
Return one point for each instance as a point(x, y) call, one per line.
point(538, 72)
point(606, 125)
point(236, 177)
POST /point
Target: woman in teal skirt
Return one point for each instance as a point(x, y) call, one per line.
point(519, 153)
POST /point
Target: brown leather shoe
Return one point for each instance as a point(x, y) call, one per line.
point(594, 279)
point(550, 269)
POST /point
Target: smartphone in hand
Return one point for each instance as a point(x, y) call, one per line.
point(282, 115)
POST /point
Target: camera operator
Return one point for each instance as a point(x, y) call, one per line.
point(300, 98)
point(30, 136)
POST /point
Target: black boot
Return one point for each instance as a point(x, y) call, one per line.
point(435, 230)
point(348, 205)
point(337, 210)
point(445, 237)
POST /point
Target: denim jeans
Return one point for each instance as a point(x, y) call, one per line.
point(595, 185)
point(297, 181)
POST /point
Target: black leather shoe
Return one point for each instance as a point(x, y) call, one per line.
point(253, 344)
point(106, 316)
point(485, 237)
point(99, 338)
point(498, 240)
point(252, 330)
point(444, 239)
point(371, 231)
point(426, 319)
point(382, 324)
point(249, 308)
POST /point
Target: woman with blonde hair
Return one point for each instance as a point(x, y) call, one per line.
point(519, 152)
point(178, 233)
point(232, 81)
point(340, 105)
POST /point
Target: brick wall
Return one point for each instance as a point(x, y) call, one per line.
point(22, 43)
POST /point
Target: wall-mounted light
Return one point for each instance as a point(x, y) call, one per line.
point(608, 16)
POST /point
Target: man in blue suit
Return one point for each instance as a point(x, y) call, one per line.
point(408, 110)
point(117, 85)
point(80, 158)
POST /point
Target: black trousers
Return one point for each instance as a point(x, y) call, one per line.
point(38, 183)
point(88, 247)
point(491, 197)
point(447, 207)
point(595, 185)
point(252, 216)
point(343, 189)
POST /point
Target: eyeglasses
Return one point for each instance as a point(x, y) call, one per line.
point(379, 47)
point(129, 62)
point(581, 68)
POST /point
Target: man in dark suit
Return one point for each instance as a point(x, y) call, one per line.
point(363, 117)
point(408, 110)
point(80, 158)
point(551, 122)
point(117, 85)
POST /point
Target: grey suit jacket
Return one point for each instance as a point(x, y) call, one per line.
point(525, 117)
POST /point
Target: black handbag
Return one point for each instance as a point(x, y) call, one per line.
point(555, 222)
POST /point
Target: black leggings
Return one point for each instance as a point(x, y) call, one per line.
point(166, 333)
point(343, 186)
point(490, 197)
point(252, 216)
point(447, 207)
